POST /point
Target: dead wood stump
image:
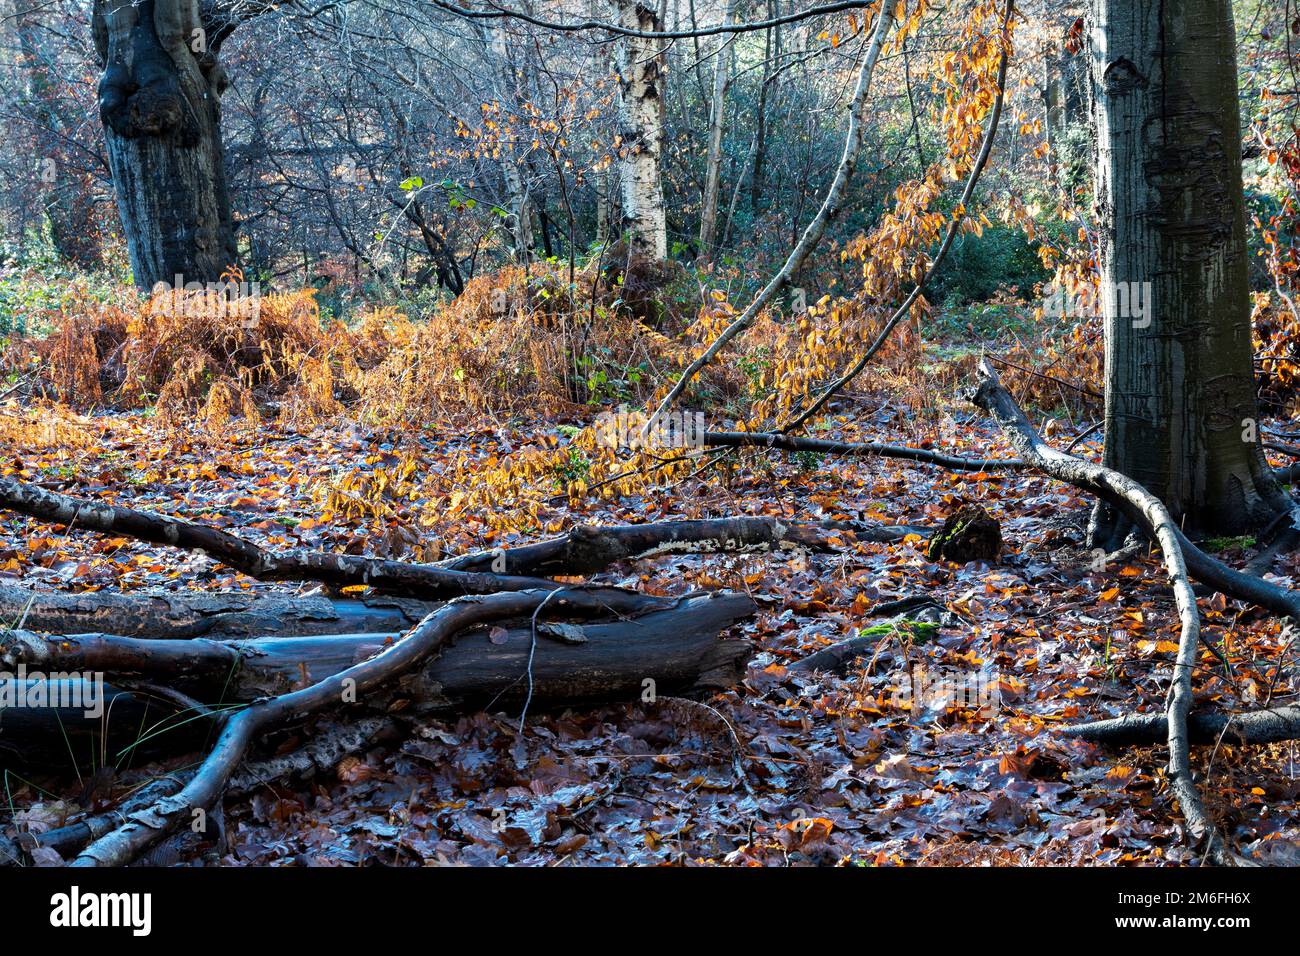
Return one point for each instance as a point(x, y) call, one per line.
point(969, 534)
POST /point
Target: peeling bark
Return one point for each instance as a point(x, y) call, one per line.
point(641, 117)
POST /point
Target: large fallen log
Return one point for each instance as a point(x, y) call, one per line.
point(665, 645)
point(186, 614)
point(379, 681)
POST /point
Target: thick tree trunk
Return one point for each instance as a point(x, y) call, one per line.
point(1180, 398)
point(641, 115)
point(159, 102)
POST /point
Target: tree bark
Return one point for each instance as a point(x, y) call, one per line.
point(159, 99)
point(641, 115)
point(179, 615)
point(713, 155)
point(1180, 398)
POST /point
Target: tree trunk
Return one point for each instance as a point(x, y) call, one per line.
point(521, 204)
point(771, 50)
point(641, 114)
point(1180, 394)
point(159, 102)
point(713, 156)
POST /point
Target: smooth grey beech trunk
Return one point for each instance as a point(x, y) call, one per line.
point(159, 102)
point(1180, 390)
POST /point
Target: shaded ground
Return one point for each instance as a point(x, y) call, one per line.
point(835, 769)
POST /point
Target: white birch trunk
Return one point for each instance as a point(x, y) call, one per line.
point(641, 115)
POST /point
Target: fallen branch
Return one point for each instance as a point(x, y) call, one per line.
point(824, 446)
point(340, 570)
point(1252, 727)
point(582, 551)
point(998, 402)
point(320, 754)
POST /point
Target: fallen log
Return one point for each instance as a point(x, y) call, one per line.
point(672, 643)
point(374, 680)
point(186, 614)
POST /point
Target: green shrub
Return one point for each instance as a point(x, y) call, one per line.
point(979, 266)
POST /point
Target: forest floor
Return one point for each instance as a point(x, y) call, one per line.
point(836, 769)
